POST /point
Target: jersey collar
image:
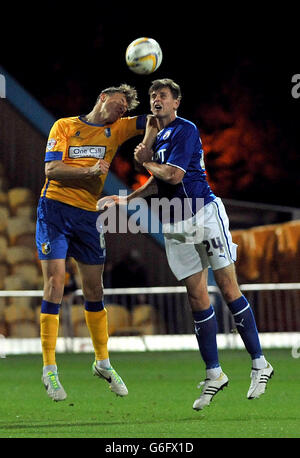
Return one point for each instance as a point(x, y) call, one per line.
point(90, 123)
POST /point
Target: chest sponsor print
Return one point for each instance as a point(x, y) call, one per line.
point(86, 151)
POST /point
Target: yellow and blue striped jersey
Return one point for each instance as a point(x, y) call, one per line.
point(79, 143)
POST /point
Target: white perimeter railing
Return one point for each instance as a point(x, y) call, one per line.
point(170, 340)
point(161, 290)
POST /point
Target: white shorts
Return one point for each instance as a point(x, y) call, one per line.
point(215, 249)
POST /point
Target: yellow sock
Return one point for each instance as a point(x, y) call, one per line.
point(97, 325)
point(49, 330)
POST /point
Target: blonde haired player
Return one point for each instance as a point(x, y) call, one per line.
point(78, 155)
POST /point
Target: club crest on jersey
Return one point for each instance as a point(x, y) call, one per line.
point(46, 248)
point(107, 132)
point(166, 135)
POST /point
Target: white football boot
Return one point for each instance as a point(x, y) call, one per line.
point(116, 384)
point(53, 386)
point(209, 389)
point(259, 380)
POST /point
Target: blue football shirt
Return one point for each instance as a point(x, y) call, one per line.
point(179, 144)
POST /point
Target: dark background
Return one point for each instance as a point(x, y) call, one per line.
point(234, 66)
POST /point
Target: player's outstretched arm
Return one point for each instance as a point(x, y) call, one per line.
point(148, 189)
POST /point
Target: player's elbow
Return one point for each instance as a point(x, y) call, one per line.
point(50, 169)
point(174, 180)
point(175, 176)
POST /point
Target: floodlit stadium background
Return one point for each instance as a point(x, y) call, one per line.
point(236, 80)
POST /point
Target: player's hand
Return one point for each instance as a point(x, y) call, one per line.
point(100, 168)
point(153, 124)
point(110, 201)
point(142, 153)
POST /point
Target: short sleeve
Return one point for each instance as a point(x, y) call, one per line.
point(182, 147)
point(57, 143)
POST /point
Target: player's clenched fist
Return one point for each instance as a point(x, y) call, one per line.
point(100, 168)
point(141, 153)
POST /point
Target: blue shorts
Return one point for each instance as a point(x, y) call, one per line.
point(65, 231)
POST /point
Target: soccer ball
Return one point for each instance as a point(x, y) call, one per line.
point(143, 56)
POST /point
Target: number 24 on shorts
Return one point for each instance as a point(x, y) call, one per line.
point(213, 243)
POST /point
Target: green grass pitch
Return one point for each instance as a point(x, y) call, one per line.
point(162, 388)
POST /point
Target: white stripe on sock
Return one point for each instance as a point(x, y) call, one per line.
point(247, 306)
point(208, 318)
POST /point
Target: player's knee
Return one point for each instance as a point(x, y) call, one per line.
point(198, 301)
point(228, 285)
point(230, 295)
point(54, 288)
point(92, 292)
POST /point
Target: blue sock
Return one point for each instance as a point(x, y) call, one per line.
point(246, 326)
point(206, 334)
point(50, 307)
point(94, 306)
